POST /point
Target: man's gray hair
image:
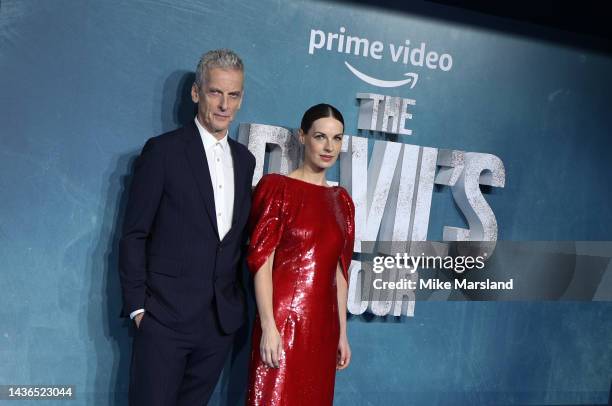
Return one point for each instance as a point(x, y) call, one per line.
point(218, 58)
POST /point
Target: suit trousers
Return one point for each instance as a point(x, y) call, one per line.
point(171, 368)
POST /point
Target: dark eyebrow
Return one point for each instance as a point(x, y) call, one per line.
point(322, 133)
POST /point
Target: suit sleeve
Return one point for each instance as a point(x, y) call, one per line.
point(143, 201)
point(265, 221)
point(245, 239)
point(349, 241)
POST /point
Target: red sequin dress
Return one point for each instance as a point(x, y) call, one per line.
point(311, 229)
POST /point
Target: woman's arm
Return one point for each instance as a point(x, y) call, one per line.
point(270, 346)
point(344, 350)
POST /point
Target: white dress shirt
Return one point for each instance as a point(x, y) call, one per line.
point(221, 167)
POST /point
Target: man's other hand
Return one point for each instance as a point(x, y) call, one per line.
point(137, 319)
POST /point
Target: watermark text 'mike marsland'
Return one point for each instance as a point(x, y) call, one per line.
point(411, 263)
point(437, 284)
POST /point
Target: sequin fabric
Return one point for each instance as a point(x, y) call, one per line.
point(310, 229)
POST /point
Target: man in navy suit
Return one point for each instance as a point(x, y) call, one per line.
point(183, 242)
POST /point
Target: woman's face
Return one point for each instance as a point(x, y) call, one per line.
point(322, 142)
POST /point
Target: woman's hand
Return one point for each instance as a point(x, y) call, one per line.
point(344, 353)
point(271, 346)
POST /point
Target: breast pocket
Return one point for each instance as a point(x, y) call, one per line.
point(164, 266)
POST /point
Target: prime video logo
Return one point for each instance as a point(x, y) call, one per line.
point(350, 44)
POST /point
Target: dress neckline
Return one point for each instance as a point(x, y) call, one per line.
point(311, 184)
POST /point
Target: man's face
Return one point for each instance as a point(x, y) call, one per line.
point(218, 99)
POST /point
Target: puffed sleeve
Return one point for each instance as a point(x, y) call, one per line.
point(265, 220)
point(349, 240)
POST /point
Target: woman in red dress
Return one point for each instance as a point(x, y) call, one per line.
point(302, 235)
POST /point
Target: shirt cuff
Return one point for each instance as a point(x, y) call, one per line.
point(135, 312)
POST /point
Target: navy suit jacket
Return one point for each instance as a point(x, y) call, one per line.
point(171, 260)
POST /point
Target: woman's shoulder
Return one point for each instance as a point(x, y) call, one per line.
point(345, 198)
point(271, 179)
point(270, 183)
point(343, 193)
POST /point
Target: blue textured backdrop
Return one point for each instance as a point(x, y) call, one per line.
point(84, 83)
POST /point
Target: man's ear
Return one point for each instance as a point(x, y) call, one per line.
point(195, 93)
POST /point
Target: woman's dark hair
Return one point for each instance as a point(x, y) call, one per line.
point(319, 111)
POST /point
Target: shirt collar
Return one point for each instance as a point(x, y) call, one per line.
point(208, 139)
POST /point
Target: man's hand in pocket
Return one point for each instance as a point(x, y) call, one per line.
point(137, 319)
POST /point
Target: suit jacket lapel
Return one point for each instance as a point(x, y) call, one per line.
point(238, 185)
point(199, 165)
